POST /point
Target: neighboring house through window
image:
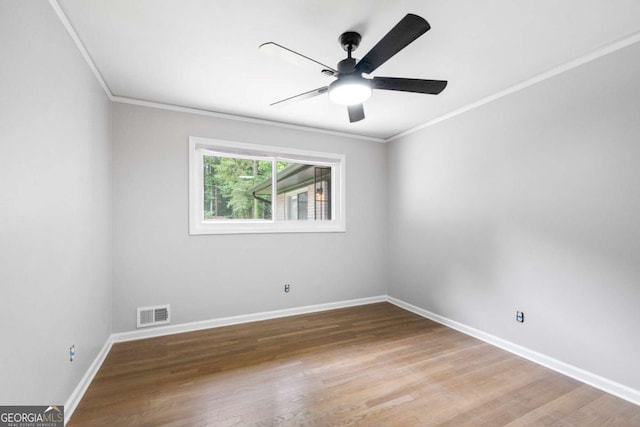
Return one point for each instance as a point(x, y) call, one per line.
point(297, 184)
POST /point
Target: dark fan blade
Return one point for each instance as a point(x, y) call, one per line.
point(302, 96)
point(432, 87)
point(407, 30)
point(356, 112)
point(296, 58)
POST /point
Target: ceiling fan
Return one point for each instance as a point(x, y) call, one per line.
point(351, 87)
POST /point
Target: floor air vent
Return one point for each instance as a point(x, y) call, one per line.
point(152, 316)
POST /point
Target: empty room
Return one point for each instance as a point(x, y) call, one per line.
point(409, 213)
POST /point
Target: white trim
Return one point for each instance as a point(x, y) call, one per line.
point(598, 53)
point(581, 375)
point(604, 50)
point(72, 402)
point(244, 318)
point(190, 110)
point(83, 51)
point(209, 113)
point(601, 383)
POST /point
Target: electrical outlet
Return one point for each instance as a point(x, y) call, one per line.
point(520, 316)
point(72, 353)
point(287, 287)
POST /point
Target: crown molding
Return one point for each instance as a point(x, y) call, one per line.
point(159, 105)
point(208, 113)
point(598, 53)
point(74, 36)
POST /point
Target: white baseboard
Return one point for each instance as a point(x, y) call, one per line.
point(235, 320)
point(72, 402)
point(604, 384)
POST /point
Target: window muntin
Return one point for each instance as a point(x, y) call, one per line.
point(246, 188)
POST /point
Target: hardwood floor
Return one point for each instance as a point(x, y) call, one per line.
point(369, 365)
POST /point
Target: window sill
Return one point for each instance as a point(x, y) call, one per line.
point(250, 227)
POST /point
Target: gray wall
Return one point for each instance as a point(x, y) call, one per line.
point(55, 208)
point(203, 277)
point(530, 203)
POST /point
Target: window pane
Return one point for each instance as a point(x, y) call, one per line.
point(229, 191)
point(304, 192)
point(292, 205)
point(303, 206)
point(322, 193)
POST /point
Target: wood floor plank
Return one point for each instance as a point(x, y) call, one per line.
point(369, 365)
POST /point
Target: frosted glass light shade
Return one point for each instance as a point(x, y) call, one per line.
point(350, 90)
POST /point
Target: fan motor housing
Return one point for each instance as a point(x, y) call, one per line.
point(347, 66)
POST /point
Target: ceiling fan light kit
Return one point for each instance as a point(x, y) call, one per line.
point(350, 87)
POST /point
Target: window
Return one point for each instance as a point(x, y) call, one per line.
point(246, 188)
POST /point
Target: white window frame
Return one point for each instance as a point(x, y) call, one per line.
point(199, 146)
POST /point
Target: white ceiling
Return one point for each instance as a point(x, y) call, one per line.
point(203, 54)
